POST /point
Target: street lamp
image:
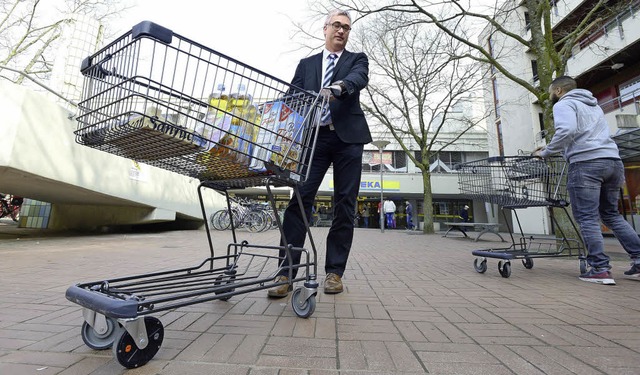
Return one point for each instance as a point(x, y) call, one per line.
point(381, 144)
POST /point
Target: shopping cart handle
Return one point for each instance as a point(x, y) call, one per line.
point(101, 303)
point(153, 30)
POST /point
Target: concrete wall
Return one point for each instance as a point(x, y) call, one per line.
point(39, 159)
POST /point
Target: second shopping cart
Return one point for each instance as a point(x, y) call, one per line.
point(521, 182)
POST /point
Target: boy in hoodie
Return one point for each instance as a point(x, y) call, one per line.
point(595, 176)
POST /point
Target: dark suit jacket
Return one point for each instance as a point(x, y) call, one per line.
point(346, 114)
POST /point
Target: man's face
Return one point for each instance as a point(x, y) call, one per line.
point(336, 40)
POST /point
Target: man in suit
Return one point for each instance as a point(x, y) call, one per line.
point(342, 134)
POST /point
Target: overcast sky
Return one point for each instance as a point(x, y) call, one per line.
point(256, 32)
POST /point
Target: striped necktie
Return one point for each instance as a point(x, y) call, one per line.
point(328, 75)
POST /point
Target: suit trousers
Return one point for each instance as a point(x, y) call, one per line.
point(347, 169)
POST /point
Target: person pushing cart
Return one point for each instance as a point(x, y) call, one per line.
point(595, 176)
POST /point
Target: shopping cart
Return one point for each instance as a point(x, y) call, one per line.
point(520, 182)
point(162, 99)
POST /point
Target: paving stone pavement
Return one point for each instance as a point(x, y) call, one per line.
point(413, 304)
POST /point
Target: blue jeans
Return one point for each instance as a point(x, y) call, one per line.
point(594, 190)
point(389, 216)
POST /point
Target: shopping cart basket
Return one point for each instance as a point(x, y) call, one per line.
point(520, 182)
point(162, 99)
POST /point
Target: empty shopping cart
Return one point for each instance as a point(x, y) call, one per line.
point(515, 183)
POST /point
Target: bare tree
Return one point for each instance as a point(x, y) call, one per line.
point(419, 90)
point(30, 30)
point(550, 48)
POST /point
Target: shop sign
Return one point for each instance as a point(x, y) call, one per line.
point(373, 185)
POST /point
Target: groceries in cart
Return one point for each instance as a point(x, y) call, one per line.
point(279, 137)
point(217, 120)
point(229, 120)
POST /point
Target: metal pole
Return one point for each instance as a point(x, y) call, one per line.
point(382, 214)
point(381, 144)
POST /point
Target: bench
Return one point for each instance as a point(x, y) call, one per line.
point(483, 227)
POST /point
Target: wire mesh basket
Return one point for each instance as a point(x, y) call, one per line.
point(515, 181)
point(162, 99)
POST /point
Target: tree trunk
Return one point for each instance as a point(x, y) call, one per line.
point(427, 202)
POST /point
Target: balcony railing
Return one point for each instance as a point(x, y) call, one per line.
point(629, 11)
point(630, 101)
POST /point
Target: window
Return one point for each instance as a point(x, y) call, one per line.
point(396, 161)
point(527, 21)
point(554, 5)
point(534, 69)
point(399, 160)
point(490, 42)
point(500, 140)
point(541, 121)
point(630, 89)
point(496, 98)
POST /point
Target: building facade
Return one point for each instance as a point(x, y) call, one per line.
point(603, 60)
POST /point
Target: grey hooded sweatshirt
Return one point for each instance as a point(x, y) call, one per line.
point(581, 132)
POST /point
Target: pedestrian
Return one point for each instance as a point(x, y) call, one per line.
point(595, 176)
point(365, 215)
point(341, 137)
point(389, 209)
point(464, 214)
point(409, 211)
point(315, 216)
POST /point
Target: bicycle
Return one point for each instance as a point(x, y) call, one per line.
point(11, 207)
point(244, 213)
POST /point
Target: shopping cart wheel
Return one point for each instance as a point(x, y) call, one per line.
point(100, 341)
point(220, 280)
point(480, 264)
point(504, 269)
point(583, 266)
point(126, 350)
point(527, 263)
point(304, 308)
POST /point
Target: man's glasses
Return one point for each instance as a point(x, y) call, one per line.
point(337, 26)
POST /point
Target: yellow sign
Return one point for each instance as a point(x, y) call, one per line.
point(372, 185)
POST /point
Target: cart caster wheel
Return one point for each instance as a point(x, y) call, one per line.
point(127, 352)
point(100, 341)
point(583, 266)
point(504, 269)
point(219, 281)
point(303, 308)
point(527, 263)
point(480, 267)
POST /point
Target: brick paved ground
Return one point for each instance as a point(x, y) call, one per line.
point(413, 304)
